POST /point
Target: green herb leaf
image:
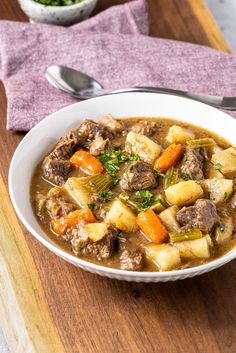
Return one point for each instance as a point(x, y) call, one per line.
point(185, 176)
point(116, 180)
point(209, 195)
point(123, 235)
point(221, 226)
point(145, 198)
point(112, 159)
point(107, 195)
point(185, 157)
point(217, 166)
point(92, 206)
point(162, 175)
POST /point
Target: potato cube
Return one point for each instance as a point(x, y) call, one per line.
point(211, 172)
point(224, 230)
point(121, 217)
point(96, 231)
point(165, 256)
point(141, 145)
point(178, 134)
point(226, 160)
point(168, 218)
point(192, 249)
point(183, 193)
point(218, 190)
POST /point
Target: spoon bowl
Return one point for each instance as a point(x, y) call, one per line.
point(71, 81)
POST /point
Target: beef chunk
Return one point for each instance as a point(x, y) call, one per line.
point(131, 260)
point(56, 166)
point(103, 249)
point(206, 153)
point(89, 130)
point(98, 146)
point(147, 128)
point(111, 124)
point(202, 215)
point(57, 203)
point(139, 176)
point(192, 165)
point(56, 170)
point(66, 145)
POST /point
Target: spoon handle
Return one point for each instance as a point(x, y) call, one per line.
point(216, 101)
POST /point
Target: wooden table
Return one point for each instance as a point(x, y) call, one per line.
point(49, 306)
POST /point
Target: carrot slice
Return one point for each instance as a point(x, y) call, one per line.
point(62, 224)
point(151, 226)
point(88, 163)
point(169, 157)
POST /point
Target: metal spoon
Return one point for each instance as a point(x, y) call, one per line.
point(82, 86)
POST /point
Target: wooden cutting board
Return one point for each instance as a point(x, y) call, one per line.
point(50, 306)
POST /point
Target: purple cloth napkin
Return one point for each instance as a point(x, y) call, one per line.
point(113, 47)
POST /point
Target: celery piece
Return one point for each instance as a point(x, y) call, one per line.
point(181, 236)
point(96, 183)
point(204, 142)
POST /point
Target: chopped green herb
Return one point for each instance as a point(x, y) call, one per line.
point(217, 166)
point(123, 235)
point(185, 176)
point(225, 195)
point(185, 157)
point(134, 158)
point(92, 206)
point(221, 226)
point(58, 2)
point(162, 175)
point(116, 180)
point(112, 159)
point(107, 195)
point(145, 197)
point(126, 175)
point(209, 195)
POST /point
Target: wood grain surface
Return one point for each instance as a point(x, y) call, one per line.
point(49, 306)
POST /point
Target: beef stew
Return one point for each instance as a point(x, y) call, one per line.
point(139, 194)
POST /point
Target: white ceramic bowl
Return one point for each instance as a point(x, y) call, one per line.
point(43, 136)
point(57, 15)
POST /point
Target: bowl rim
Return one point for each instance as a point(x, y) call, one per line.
point(57, 8)
point(172, 274)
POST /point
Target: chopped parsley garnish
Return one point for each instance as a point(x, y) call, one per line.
point(145, 199)
point(123, 235)
point(209, 195)
point(185, 176)
point(225, 195)
point(107, 195)
point(162, 175)
point(221, 227)
point(92, 206)
point(112, 159)
point(217, 166)
point(185, 157)
point(116, 180)
point(58, 2)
